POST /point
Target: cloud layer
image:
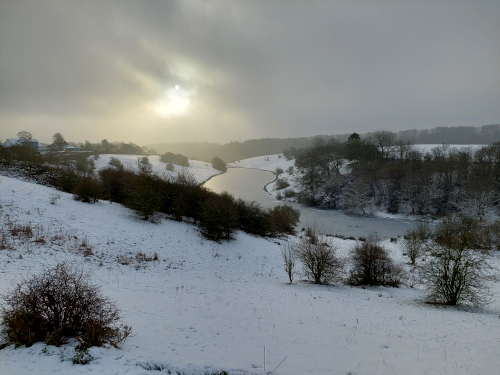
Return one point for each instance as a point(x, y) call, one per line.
point(245, 69)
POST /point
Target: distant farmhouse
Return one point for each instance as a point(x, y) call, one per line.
point(31, 143)
point(63, 147)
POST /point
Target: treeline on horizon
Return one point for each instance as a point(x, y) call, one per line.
point(234, 151)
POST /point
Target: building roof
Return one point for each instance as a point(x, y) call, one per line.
point(18, 142)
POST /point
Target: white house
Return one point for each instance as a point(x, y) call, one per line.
point(31, 143)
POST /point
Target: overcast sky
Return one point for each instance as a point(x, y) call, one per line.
point(167, 71)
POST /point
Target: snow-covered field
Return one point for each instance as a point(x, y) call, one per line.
point(429, 147)
point(262, 162)
point(200, 170)
point(225, 305)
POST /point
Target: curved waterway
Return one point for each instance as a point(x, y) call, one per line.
point(249, 184)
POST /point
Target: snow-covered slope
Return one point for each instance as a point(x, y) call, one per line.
point(200, 170)
point(207, 304)
point(270, 163)
point(266, 163)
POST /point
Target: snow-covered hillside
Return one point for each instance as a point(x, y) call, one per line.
point(200, 170)
point(224, 305)
point(266, 163)
point(270, 163)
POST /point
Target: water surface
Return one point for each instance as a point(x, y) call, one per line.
point(249, 184)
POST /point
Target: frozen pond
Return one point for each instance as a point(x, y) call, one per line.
point(248, 184)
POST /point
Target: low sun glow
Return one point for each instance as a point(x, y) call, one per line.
point(173, 102)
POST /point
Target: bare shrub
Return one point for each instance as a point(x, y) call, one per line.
point(23, 231)
point(5, 242)
point(319, 258)
point(143, 257)
point(58, 304)
point(186, 178)
point(124, 260)
point(412, 245)
point(423, 230)
point(87, 251)
point(39, 234)
point(456, 270)
point(372, 265)
point(289, 255)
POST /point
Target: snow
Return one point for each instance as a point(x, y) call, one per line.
point(270, 163)
point(219, 305)
point(429, 147)
point(261, 162)
point(200, 170)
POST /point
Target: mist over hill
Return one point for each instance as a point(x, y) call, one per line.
point(234, 151)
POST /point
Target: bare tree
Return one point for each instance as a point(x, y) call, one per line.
point(385, 141)
point(412, 245)
point(457, 274)
point(357, 198)
point(24, 136)
point(58, 141)
point(319, 258)
point(289, 255)
point(457, 271)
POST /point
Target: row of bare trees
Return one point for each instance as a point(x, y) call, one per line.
point(452, 261)
point(388, 175)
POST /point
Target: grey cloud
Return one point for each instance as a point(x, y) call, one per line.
point(285, 68)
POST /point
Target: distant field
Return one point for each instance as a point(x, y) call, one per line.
point(428, 147)
point(201, 170)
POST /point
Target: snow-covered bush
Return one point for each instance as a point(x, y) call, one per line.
point(58, 304)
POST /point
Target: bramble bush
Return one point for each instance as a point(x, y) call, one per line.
point(61, 303)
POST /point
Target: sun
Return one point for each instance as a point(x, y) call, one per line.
point(172, 103)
